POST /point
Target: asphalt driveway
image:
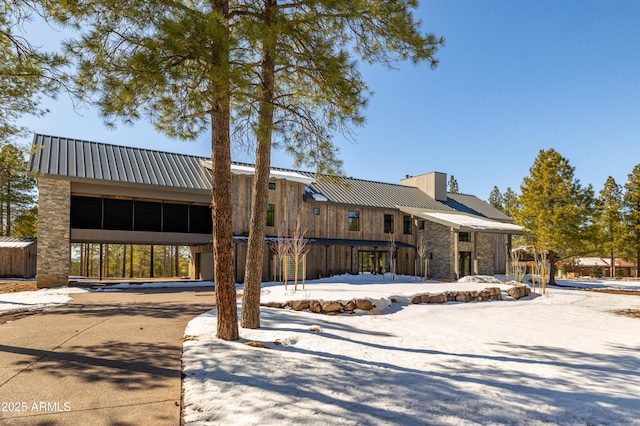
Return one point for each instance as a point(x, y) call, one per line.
point(106, 358)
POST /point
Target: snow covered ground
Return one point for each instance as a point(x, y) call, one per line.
point(35, 300)
point(564, 358)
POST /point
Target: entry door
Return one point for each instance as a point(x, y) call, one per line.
point(465, 263)
point(372, 262)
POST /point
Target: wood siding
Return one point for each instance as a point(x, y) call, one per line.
point(18, 262)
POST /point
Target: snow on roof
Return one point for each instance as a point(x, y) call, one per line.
point(11, 242)
point(591, 261)
point(473, 223)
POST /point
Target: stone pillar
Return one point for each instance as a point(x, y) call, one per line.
point(54, 229)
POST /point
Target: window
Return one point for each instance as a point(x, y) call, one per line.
point(464, 236)
point(316, 211)
point(354, 221)
point(407, 227)
point(272, 185)
point(388, 224)
point(421, 224)
point(271, 215)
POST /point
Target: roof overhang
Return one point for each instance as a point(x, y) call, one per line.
point(464, 222)
point(241, 169)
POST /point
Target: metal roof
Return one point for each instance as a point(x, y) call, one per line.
point(84, 160)
point(16, 242)
point(79, 159)
point(465, 222)
point(360, 192)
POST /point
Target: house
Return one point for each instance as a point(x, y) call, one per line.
point(18, 257)
point(99, 193)
point(586, 264)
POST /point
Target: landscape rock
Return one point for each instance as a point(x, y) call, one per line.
point(416, 300)
point(315, 306)
point(364, 304)
point(332, 306)
point(273, 305)
point(299, 305)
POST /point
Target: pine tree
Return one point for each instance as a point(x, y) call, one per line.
point(632, 214)
point(171, 63)
point(495, 199)
point(309, 88)
point(453, 185)
point(510, 203)
point(608, 220)
point(16, 187)
point(556, 209)
point(26, 72)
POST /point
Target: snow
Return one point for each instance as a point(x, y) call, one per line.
point(35, 300)
point(473, 222)
point(564, 358)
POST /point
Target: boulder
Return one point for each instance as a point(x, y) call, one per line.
point(424, 298)
point(315, 306)
point(438, 298)
point(332, 306)
point(416, 300)
point(300, 305)
point(463, 296)
point(364, 304)
point(272, 305)
point(350, 306)
point(518, 292)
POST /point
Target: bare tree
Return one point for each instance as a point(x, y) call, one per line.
point(299, 247)
point(280, 249)
point(422, 253)
point(392, 249)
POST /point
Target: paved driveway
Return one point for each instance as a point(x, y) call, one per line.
point(107, 358)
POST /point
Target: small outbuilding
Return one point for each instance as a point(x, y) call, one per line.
point(18, 257)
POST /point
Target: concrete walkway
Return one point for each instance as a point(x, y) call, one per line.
point(107, 358)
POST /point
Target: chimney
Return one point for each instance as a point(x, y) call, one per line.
point(433, 184)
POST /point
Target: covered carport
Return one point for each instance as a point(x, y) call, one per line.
point(461, 222)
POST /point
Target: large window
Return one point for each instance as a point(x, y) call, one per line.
point(271, 215)
point(388, 224)
point(406, 225)
point(464, 236)
point(354, 221)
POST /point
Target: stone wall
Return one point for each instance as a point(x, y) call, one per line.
point(486, 246)
point(54, 250)
point(439, 244)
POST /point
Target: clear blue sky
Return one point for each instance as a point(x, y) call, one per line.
point(514, 77)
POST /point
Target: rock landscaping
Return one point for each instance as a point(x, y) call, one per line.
point(333, 307)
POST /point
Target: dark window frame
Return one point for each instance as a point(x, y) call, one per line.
point(354, 220)
point(271, 215)
point(389, 224)
point(407, 225)
point(464, 237)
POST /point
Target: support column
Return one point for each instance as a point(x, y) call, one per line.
point(475, 253)
point(456, 254)
point(54, 229)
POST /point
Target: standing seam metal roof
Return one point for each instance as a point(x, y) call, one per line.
point(92, 160)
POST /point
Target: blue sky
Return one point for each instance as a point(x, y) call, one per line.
point(514, 77)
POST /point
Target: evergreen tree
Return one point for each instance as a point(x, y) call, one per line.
point(556, 210)
point(453, 185)
point(26, 223)
point(495, 199)
point(608, 220)
point(16, 187)
point(174, 64)
point(632, 214)
point(309, 88)
point(25, 71)
point(510, 203)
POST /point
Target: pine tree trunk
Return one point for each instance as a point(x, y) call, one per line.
point(225, 288)
point(255, 247)
point(552, 268)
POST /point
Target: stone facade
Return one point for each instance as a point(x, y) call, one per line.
point(439, 246)
point(54, 250)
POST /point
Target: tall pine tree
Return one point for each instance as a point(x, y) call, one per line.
point(453, 185)
point(632, 214)
point(608, 220)
point(556, 210)
point(16, 187)
point(495, 199)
